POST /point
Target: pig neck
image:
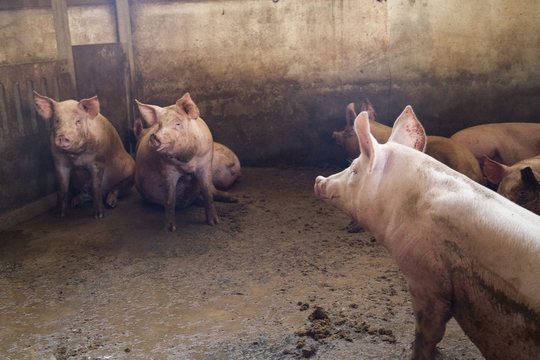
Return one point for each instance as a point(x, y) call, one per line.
point(424, 210)
point(403, 189)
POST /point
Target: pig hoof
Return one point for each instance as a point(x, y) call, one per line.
point(170, 227)
point(213, 221)
point(99, 215)
point(111, 200)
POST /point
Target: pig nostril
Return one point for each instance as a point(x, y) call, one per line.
point(154, 141)
point(62, 141)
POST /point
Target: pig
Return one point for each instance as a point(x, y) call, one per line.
point(226, 167)
point(519, 182)
point(466, 251)
point(447, 151)
point(506, 143)
point(87, 151)
point(174, 160)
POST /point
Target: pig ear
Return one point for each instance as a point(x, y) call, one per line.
point(186, 104)
point(494, 171)
point(44, 105)
point(90, 106)
point(366, 141)
point(408, 131)
point(528, 178)
point(150, 113)
point(366, 106)
point(350, 114)
point(138, 128)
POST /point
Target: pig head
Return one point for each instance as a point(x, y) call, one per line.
point(465, 251)
point(347, 137)
point(447, 151)
point(174, 159)
point(519, 182)
point(87, 150)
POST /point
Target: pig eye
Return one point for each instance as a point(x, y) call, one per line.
point(77, 121)
point(354, 171)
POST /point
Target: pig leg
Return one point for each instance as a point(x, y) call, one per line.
point(204, 177)
point(171, 178)
point(121, 189)
point(62, 176)
point(223, 196)
point(96, 172)
point(431, 313)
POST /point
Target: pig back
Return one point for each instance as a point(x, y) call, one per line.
point(456, 156)
point(507, 143)
point(119, 164)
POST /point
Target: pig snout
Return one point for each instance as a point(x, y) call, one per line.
point(319, 187)
point(154, 141)
point(338, 137)
point(62, 141)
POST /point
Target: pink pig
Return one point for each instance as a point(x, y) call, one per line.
point(506, 143)
point(174, 159)
point(446, 150)
point(226, 167)
point(519, 182)
point(87, 151)
point(466, 251)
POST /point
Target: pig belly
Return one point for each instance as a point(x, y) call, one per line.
point(81, 180)
point(497, 323)
point(154, 189)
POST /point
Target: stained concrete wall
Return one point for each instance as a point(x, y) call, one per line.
point(27, 35)
point(272, 78)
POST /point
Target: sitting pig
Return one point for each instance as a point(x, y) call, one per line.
point(506, 143)
point(87, 151)
point(225, 164)
point(465, 251)
point(174, 159)
point(519, 182)
point(447, 151)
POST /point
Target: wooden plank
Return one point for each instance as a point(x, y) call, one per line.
point(24, 4)
point(101, 70)
point(89, 2)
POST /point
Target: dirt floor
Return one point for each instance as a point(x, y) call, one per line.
point(282, 277)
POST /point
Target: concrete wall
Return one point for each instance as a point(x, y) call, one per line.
point(272, 78)
point(27, 35)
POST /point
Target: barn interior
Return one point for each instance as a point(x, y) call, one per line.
point(283, 275)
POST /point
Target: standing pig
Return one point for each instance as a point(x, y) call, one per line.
point(447, 151)
point(465, 251)
point(225, 164)
point(174, 159)
point(519, 182)
point(87, 150)
point(507, 143)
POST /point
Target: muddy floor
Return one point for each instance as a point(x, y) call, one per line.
point(281, 277)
